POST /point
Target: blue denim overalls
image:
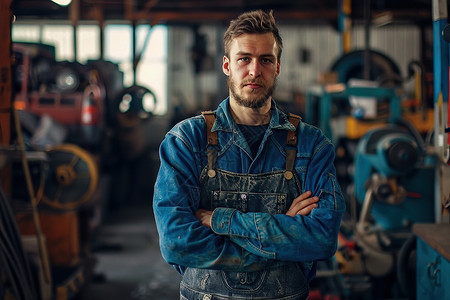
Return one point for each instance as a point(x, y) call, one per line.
point(272, 193)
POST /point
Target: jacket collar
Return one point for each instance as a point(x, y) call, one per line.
point(225, 122)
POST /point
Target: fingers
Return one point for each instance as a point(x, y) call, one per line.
point(307, 203)
point(307, 210)
point(303, 205)
point(204, 216)
point(303, 196)
point(292, 209)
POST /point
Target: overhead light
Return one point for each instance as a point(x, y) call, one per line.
point(62, 2)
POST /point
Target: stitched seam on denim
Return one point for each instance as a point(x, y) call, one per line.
point(334, 189)
point(226, 146)
point(330, 177)
point(296, 294)
point(179, 132)
point(229, 221)
point(265, 254)
point(320, 147)
point(255, 223)
point(277, 145)
point(256, 175)
point(183, 140)
point(238, 236)
point(261, 281)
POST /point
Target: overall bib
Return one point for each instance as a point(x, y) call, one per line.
point(271, 193)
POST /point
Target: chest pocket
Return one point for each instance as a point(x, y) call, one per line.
point(272, 203)
point(271, 192)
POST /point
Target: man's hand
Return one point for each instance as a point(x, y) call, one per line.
point(204, 217)
point(303, 205)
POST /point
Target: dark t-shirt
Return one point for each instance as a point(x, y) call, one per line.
point(253, 135)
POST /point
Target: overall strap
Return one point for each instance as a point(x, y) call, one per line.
point(213, 140)
point(291, 146)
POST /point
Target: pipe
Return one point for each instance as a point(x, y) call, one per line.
point(367, 21)
point(345, 23)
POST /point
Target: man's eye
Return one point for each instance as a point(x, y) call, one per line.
point(266, 60)
point(244, 59)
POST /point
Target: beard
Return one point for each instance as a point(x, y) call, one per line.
point(253, 100)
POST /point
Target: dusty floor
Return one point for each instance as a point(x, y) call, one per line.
point(129, 264)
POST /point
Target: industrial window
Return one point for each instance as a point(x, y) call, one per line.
point(151, 45)
point(88, 43)
point(151, 41)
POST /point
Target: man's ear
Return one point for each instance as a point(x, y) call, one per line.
point(226, 66)
point(278, 67)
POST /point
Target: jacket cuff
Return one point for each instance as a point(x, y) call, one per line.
point(221, 220)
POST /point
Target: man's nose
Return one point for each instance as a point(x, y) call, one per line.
point(255, 68)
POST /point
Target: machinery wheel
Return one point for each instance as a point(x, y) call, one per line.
point(382, 68)
point(72, 177)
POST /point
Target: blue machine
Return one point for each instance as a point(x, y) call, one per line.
point(394, 178)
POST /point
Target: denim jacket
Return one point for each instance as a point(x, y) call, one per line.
point(244, 241)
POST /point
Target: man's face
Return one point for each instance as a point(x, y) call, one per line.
point(252, 69)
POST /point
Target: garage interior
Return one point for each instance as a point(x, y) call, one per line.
point(89, 88)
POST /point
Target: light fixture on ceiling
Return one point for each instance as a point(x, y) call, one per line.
point(62, 2)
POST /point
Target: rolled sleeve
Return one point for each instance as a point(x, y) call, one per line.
point(221, 220)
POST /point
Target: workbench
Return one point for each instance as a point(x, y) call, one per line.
point(433, 261)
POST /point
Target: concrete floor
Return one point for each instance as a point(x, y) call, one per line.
point(129, 264)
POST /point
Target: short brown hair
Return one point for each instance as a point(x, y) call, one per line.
point(252, 22)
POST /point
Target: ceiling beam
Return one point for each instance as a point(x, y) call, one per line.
point(207, 16)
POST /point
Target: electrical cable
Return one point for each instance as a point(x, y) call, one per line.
point(33, 200)
point(15, 262)
point(13, 232)
point(406, 275)
point(14, 283)
point(12, 256)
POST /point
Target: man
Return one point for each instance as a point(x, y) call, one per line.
point(246, 199)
